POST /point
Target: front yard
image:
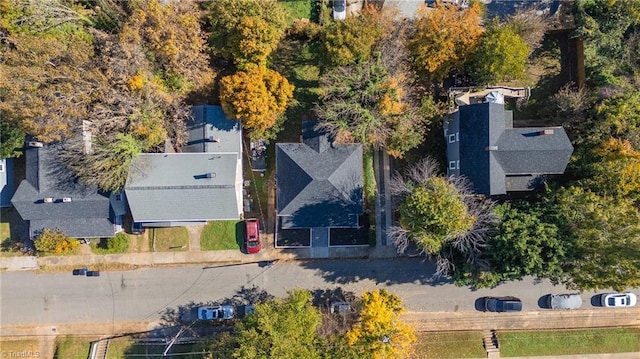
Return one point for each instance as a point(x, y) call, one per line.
point(169, 239)
point(221, 235)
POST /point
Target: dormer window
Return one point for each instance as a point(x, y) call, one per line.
point(452, 165)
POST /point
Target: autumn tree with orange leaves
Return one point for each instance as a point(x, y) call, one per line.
point(445, 38)
point(258, 97)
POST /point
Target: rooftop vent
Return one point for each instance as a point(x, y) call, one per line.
point(211, 175)
point(491, 148)
point(35, 144)
point(48, 200)
point(66, 199)
point(548, 131)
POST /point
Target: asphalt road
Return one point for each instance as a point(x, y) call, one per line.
point(165, 293)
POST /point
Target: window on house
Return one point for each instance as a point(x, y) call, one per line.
point(1, 167)
point(452, 165)
point(118, 197)
point(452, 138)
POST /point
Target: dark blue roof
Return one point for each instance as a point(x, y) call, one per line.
point(88, 212)
point(497, 158)
point(319, 184)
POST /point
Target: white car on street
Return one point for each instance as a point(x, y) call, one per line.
point(616, 300)
point(218, 312)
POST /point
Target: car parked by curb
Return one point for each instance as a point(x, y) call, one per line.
point(502, 304)
point(216, 313)
point(618, 300)
point(564, 301)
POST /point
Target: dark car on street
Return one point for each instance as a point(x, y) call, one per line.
point(502, 304)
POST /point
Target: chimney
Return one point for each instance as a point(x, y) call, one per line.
point(66, 199)
point(211, 175)
point(213, 139)
point(48, 200)
point(548, 131)
point(491, 148)
point(35, 144)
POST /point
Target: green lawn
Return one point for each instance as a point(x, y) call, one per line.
point(566, 342)
point(118, 347)
point(449, 345)
point(170, 239)
point(220, 235)
point(73, 347)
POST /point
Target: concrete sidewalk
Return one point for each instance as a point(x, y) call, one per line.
point(526, 320)
point(149, 259)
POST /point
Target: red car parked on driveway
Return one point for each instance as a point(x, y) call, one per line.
point(252, 235)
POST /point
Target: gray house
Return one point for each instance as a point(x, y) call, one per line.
point(319, 185)
point(497, 158)
point(51, 198)
point(203, 183)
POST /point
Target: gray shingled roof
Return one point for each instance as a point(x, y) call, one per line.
point(174, 187)
point(46, 178)
point(496, 158)
point(319, 186)
point(210, 124)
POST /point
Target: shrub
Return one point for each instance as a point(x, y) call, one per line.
point(118, 243)
point(54, 242)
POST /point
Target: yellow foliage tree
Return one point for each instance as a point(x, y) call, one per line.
point(174, 38)
point(258, 97)
point(380, 333)
point(616, 170)
point(445, 38)
point(246, 31)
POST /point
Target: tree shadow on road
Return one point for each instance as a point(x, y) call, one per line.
point(382, 272)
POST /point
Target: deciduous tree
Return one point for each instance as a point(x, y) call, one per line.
point(380, 333)
point(614, 170)
point(445, 38)
point(246, 31)
point(353, 40)
point(172, 36)
point(500, 56)
point(606, 240)
point(258, 97)
point(363, 103)
point(48, 82)
point(441, 216)
point(11, 139)
point(108, 163)
point(281, 328)
point(520, 244)
point(605, 27)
